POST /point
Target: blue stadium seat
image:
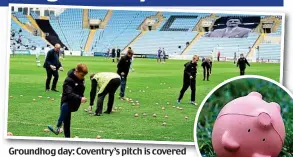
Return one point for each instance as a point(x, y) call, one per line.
point(120, 30)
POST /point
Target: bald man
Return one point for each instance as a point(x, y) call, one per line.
point(52, 65)
point(72, 98)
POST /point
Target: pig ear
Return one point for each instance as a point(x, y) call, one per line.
point(256, 94)
point(229, 143)
point(276, 105)
point(259, 155)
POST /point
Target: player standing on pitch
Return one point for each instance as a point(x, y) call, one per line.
point(235, 57)
point(241, 63)
point(113, 54)
point(72, 97)
point(189, 79)
point(104, 83)
point(123, 67)
point(118, 53)
point(52, 65)
point(207, 68)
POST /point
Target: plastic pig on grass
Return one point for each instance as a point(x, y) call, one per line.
point(249, 127)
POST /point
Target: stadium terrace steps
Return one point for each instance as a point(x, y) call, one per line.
point(23, 26)
point(34, 23)
point(194, 40)
point(255, 45)
point(106, 19)
point(134, 40)
point(90, 40)
point(85, 19)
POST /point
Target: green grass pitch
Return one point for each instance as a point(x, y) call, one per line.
point(161, 83)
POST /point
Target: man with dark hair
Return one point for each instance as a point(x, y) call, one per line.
point(118, 53)
point(189, 79)
point(102, 84)
point(232, 30)
point(72, 97)
point(123, 67)
point(113, 54)
point(241, 63)
point(52, 65)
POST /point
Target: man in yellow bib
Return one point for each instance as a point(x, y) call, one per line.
point(103, 83)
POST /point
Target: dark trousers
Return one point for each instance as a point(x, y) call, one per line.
point(206, 73)
point(211, 67)
point(218, 58)
point(109, 89)
point(123, 86)
point(190, 83)
point(159, 59)
point(51, 73)
point(65, 118)
point(242, 71)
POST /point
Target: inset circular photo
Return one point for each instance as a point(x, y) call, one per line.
point(247, 116)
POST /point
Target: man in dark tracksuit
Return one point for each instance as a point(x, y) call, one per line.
point(113, 54)
point(52, 65)
point(105, 83)
point(72, 97)
point(207, 68)
point(241, 63)
point(118, 54)
point(189, 79)
point(123, 70)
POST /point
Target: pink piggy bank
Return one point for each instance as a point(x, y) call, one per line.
point(249, 127)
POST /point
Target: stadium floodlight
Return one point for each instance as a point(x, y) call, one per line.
point(52, 0)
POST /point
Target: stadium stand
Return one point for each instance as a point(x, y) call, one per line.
point(21, 17)
point(97, 14)
point(227, 46)
point(173, 34)
point(57, 28)
point(183, 21)
point(28, 40)
point(120, 31)
point(268, 51)
point(34, 15)
point(169, 40)
point(68, 27)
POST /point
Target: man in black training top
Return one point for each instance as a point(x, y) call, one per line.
point(118, 54)
point(123, 70)
point(189, 79)
point(72, 97)
point(52, 65)
point(241, 63)
point(113, 54)
point(207, 68)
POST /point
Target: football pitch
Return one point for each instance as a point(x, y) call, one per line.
point(155, 86)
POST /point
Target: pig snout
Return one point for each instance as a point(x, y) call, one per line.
point(229, 143)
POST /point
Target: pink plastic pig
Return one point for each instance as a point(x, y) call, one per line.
point(249, 127)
